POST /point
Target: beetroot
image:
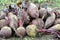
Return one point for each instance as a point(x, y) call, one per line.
point(33, 10)
point(13, 20)
point(39, 23)
point(5, 31)
point(3, 23)
point(2, 14)
point(57, 21)
point(21, 31)
point(31, 30)
point(43, 13)
point(50, 20)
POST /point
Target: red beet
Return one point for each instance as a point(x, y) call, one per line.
point(50, 20)
point(43, 13)
point(5, 31)
point(21, 31)
point(39, 23)
point(33, 10)
point(13, 21)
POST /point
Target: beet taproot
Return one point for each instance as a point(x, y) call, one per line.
point(50, 20)
point(39, 23)
point(43, 13)
point(3, 23)
point(31, 30)
point(5, 31)
point(21, 31)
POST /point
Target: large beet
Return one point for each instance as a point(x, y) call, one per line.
point(21, 31)
point(57, 21)
point(5, 31)
point(33, 10)
point(31, 30)
point(43, 13)
point(50, 20)
point(13, 20)
point(3, 23)
point(39, 23)
point(2, 14)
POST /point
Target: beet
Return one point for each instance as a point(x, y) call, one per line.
point(43, 13)
point(13, 21)
point(31, 30)
point(5, 31)
point(50, 20)
point(33, 10)
point(2, 14)
point(55, 27)
point(57, 21)
point(21, 31)
point(3, 23)
point(39, 23)
point(57, 12)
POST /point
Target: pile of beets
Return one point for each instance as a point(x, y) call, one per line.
point(25, 18)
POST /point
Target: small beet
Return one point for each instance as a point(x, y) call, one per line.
point(13, 21)
point(3, 23)
point(33, 10)
point(57, 21)
point(21, 31)
point(5, 31)
point(31, 30)
point(50, 20)
point(55, 27)
point(39, 23)
point(43, 13)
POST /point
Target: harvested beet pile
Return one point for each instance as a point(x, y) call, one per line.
point(26, 19)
